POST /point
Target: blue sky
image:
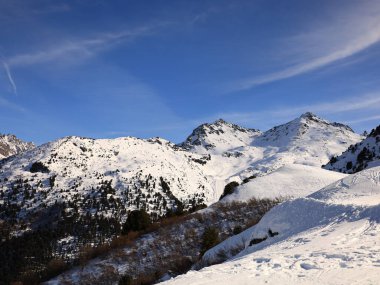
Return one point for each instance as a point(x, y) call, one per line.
point(159, 68)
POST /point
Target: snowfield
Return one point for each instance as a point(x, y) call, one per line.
point(289, 181)
point(329, 237)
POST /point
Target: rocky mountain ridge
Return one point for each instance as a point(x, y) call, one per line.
point(11, 145)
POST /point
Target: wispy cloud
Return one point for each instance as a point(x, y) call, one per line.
point(9, 105)
point(348, 34)
point(267, 118)
point(362, 102)
point(54, 8)
point(79, 48)
point(365, 119)
point(9, 77)
point(367, 103)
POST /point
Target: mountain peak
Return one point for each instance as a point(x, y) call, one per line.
point(309, 115)
point(219, 136)
point(220, 121)
point(11, 145)
point(307, 130)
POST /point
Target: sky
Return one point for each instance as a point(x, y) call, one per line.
point(110, 68)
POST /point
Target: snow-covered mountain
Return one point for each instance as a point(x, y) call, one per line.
point(105, 176)
point(307, 140)
point(11, 145)
point(237, 153)
point(328, 237)
point(364, 154)
point(109, 177)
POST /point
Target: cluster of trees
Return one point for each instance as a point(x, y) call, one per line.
point(210, 238)
point(25, 258)
point(137, 220)
point(229, 189)
point(36, 256)
point(39, 167)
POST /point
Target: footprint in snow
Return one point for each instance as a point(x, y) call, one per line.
point(261, 260)
point(302, 240)
point(308, 266)
point(344, 265)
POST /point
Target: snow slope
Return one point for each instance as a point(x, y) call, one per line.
point(293, 180)
point(11, 145)
point(364, 154)
point(329, 237)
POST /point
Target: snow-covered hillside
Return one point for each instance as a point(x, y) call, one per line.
point(329, 237)
point(105, 176)
point(364, 154)
point(163, 252)
point(237, 153)
point(77, 192)
point(289, 181)
point(11, 145)
point(76, 181)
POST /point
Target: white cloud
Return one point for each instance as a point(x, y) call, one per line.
point(349, 33)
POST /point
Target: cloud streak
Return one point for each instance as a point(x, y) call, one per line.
point(339, 41)
point(82, 47)
point(7, 104)
point(368, 102)
point(365, 119)
point(9, 77)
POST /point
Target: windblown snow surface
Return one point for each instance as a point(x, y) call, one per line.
point(329, 237)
